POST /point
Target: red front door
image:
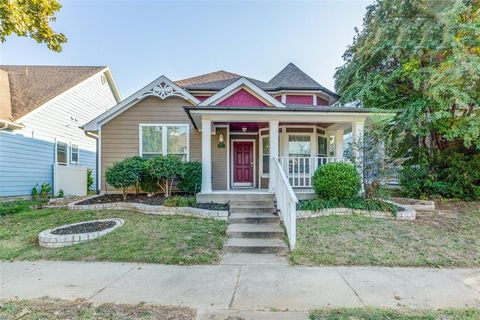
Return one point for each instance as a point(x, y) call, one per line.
point(243, 163)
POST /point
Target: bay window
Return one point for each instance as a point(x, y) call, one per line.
point(164, 139)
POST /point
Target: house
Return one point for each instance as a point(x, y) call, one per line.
point(41, 111)
point(241, 129)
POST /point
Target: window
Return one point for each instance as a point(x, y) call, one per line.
point(161, 139)
point(298, 146)
point(265, 154)
point(322, 146)
point(74, 153)
point(62, 153)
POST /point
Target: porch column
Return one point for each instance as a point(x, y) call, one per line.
point(273, 141)
point(357, 149)
point(339, 143)
point(206, 156)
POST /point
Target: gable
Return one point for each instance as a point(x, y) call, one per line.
point(241, 98)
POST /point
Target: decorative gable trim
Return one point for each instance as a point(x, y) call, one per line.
point(161, 87)
point(242, 82)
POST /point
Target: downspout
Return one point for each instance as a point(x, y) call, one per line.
point(94, 136)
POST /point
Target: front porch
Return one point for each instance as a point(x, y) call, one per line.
point(238, 155)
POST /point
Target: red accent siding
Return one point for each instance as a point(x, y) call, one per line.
point(321, 102)
point(300, 99)
point(202, 98)
point(241, 98)
point(279, 98)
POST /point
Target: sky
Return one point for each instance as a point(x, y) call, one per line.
point(142, 40)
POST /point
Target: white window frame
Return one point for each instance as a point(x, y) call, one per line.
point(164, 136)
point(57, 141)
point(71, 153)
point(261, 155)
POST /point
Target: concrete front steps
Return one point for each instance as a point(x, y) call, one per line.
point(254, 226)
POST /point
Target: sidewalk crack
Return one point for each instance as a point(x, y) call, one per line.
point(111, 282)
point(237, 284)
point(350, 286)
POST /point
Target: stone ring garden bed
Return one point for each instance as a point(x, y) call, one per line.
point(71, 234)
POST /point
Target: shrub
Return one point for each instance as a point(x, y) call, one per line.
point(178, 201)
point(336, 181)
point(148, 183)
point(89, 179)
point(191, 179)
point(137, 165)
point(45, 190)
point(123, 175)
point(35, 192)
point(165, 170)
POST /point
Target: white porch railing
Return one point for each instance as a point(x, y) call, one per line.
point(286, 202)
point(299, 170)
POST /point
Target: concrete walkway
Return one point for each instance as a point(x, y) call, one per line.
point(233, 289)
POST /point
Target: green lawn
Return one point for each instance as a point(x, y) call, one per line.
point(449, 237)
point(390, 314)
point(143, 238)
point(50, 309)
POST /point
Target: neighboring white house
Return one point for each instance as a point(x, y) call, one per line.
point(41, 111)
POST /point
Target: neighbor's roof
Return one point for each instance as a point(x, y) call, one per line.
point(32, 86)
point(289, 78)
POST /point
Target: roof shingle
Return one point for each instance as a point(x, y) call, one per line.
point(32, 86)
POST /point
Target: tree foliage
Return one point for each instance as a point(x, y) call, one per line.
point(165, 170)
point(31, 18)
point(422, 56)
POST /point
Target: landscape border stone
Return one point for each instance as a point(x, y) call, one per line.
point(407, 212)
point(150, 209)
point(47, 239)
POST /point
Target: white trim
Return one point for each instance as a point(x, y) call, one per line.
point(161, 87)
point(67, 163)
point(244, 184)
point(71, 153)
point(228, 157)
point(261, 155)
point(241, 82)
point(206, 156)
point(164, 137)
point(99, 159)
point(116, 95)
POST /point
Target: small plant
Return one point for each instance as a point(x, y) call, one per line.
point(352, 203)
point(89, 179)
point(60, 193)
point(338, 180)
point(179, 201)
point(191, 180)
point(35, 192)
point(165, 170)
point(45, 190)
point(11, 207)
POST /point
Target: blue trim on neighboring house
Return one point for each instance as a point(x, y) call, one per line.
point(24, 162)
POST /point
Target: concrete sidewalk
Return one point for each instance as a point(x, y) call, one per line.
point(229, 289)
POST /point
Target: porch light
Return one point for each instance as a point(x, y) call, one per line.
point(244, 129)
point(220, 144)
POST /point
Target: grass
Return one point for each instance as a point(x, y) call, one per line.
point(143, 238)
point(448, 238)
point(15, 206)
point(353, 203)
point(50, 309)
point(391, 314)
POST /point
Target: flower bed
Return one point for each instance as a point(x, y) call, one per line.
point(71, 234)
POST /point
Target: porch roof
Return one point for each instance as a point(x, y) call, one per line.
point(293, 113)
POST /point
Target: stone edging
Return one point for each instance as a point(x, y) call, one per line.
point(47, 239)
point(149, 209)
point(408, 213)
point(417, 204)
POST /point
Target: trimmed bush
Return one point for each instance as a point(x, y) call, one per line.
point(191, 180)
point(124, 174)
point(165, 170)
point(337, 180)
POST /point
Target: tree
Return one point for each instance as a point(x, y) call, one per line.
point(422, 56)
point(31, 18)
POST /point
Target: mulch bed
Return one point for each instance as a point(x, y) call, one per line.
point(86, 227)
point(156, 200)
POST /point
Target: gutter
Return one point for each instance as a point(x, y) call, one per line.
point(7, 124)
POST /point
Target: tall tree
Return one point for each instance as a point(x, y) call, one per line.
point(31, 18)
point(422, 56)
